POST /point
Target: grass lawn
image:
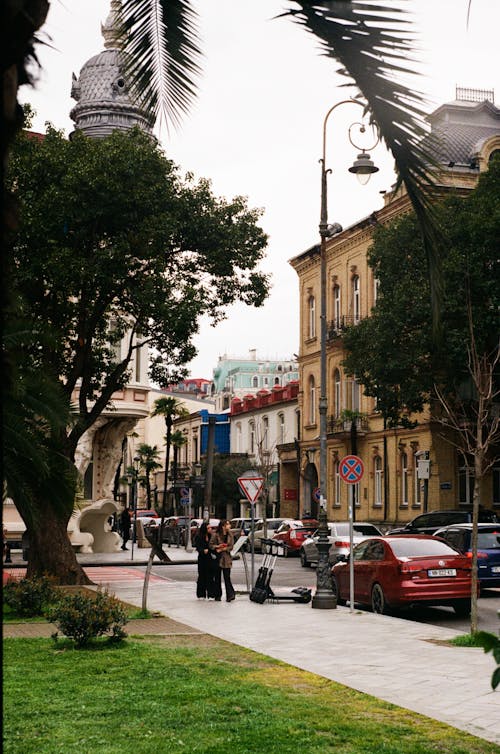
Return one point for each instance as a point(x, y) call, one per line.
point(157, 695)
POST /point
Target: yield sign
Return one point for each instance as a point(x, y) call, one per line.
point(351, 469)
point(251, 486)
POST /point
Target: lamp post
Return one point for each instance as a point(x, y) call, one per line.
point(363, 167)
point(134, 475)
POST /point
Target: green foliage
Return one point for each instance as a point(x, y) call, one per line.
point(225, 488)
point(29, 596)
point(82, 617)
point(393, 352)
point(491, 643)
point(113, 243)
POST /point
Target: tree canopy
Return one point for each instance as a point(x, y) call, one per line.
point(392, 352)
point(112, 243)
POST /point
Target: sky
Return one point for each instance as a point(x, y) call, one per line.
point(256, 129)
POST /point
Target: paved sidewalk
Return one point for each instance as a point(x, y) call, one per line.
point(400, 661)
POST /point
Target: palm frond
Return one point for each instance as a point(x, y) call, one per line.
point(375, 44)
point(159, 39)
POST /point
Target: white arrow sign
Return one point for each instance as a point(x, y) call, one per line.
point(251, 486)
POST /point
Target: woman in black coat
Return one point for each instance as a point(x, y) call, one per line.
point(207, 563)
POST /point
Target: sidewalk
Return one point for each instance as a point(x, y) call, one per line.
point(399, 661)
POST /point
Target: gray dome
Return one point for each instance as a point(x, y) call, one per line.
point(103, 100)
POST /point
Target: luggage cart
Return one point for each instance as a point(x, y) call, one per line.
point(262, 590)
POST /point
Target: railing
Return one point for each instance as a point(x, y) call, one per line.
point(337, 326)
point(338, 426)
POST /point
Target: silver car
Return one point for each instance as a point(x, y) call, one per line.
point(338, 536)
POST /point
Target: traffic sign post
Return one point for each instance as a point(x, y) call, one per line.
point(186, 497)
point(251, 484)
point(351, 471)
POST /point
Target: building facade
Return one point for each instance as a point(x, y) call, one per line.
point(465, 134)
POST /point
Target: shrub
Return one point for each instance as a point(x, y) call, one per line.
point(29, 596)
point(84, 617)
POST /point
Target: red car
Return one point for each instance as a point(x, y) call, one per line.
point(405, 570)
point(293, 533)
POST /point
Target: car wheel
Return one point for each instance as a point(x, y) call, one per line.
point(335, 590)
point(462, 608)
point(303, 560)
point(379, 604)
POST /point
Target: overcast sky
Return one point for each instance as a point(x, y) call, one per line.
point(256, 129)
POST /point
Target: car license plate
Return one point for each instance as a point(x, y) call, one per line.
point(495, 569)
point(442, 572)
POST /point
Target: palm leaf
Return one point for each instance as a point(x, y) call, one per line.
point(373, 41)
point(159, 39)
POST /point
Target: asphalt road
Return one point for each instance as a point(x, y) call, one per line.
point(289, 573)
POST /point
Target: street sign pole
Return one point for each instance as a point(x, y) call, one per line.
point(189, 546)
point(351, 470)
point(251, 484)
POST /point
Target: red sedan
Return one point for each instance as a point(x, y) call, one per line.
point(293, 533)
point(402, 571)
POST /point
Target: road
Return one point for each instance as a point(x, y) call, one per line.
point(289, 573)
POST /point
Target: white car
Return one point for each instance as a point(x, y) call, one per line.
point(338, 536)
point(272, 525)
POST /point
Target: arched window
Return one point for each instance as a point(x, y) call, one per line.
point(337, 393)
point(239, 448)
point(404, 478)
point(417, 490)
point(377, 481)
point(251, 438)
point(337, 484)
point(255, 382)
point(356, 302)
point(355, 395)
point(311, 312)
point(312, 400)
point(336, 307)
point(265, 433)
point(281, 429)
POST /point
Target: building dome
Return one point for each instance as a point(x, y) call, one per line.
point(103, 100)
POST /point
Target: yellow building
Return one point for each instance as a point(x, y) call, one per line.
point(392, 489)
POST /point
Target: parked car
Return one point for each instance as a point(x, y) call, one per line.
point(403, 571)
point(429, 523)
point(272, 524)
point(340, 544)
point(293, 532)
point(240, 527)
point(488, 548)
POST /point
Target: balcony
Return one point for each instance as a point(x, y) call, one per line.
point(336, 425)
point(336, 327)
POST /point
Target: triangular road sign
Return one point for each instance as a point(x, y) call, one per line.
point(251, 486)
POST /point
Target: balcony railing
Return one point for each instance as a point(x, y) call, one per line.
point(337, 426)
point(337, 326)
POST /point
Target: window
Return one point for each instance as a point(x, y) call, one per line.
point(337, 484)
point(417, 501)
point(252, 438)
point(355, 495)
point(239, 448)
point(312, 400)
point(265, 433)
point(355, 393)
point(337, 399)
point(356, 302)
point(281, 429)
point(138, 364)
point(377, 481)
point(311, 306)
point(376, 286)
point(404, 478)
point(255, 382)
point(336, 306)
point(465, 485)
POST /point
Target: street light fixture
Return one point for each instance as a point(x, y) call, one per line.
point(363, 167)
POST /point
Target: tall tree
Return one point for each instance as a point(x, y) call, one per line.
point(178, 440)
point(115, 251)
point(148, 462)
point(170, 408)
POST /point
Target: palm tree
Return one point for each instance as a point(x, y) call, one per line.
point(148, 461)
point(178, 439)
point(171, 409)
point(373, 40)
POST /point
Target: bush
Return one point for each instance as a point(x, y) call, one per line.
point(29, 596)
point(85, 617)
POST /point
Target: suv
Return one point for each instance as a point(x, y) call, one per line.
point(428, 523)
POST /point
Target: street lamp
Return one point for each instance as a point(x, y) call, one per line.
point(363, 167)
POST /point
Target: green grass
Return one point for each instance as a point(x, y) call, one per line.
point(197, 694)
point(466, 640)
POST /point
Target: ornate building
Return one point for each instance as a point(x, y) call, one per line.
point(465, 134)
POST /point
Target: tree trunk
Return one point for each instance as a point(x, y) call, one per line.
point(50, 551)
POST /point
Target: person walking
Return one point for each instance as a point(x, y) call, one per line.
point(125, 527)
point(207, 563)
point(222, 543)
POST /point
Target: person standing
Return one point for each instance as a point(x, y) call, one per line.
point(222, 543)
point(207, 563)
point(125, 527)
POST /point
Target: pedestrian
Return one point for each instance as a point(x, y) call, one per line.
point(222, 543)
point(125, 527)
point(208, 566)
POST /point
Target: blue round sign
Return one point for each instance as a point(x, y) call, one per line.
point(351, 469)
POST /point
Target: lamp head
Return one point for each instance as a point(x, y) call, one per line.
point(363, 167)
